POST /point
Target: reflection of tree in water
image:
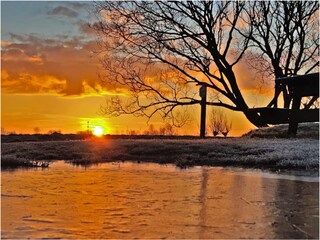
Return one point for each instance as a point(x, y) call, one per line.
point(247, 199)
point(233, 205)
point(203, 198)
point(298, 206)
point(224, 210)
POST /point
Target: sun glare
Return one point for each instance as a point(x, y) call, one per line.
point(98, 131)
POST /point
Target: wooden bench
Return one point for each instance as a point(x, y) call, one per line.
point(297, 87)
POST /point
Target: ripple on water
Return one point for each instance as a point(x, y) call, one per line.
point(15, 196)
point(120, 230)
point(27, 228)
point(38, 220)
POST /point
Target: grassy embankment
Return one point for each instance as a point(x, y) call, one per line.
point(258, 149)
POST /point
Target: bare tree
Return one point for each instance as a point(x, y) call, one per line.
point(218, 123)
point(132, 132)
point(161, 52)
point(226, 127)
point(189, 43)
point(54, 132)
point(167, 129)
point(151, 130)
point(215, 122)
point(162, 131)
point(36, 130)
point(285, 39)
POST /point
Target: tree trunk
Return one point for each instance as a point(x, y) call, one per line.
point(255, 119)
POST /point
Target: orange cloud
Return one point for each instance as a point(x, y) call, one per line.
point(62, 66)
point(250, 80)
point(87, 28)
point(27, 83)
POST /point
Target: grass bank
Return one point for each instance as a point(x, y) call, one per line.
point(275, 154)
point(305, 130)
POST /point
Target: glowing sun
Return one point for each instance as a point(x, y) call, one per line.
point(97, 131)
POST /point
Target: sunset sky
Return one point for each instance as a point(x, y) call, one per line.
point(50, 74)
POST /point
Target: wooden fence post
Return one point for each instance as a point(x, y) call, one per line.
point(293, 124)
point(203, 95)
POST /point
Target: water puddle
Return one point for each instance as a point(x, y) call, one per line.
point(129, 200)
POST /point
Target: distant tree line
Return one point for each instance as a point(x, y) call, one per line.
point(166, 129)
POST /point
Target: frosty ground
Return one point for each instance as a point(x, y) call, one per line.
point(275, 154)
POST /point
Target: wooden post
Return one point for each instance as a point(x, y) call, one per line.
point(203, 95)
point(293, 124)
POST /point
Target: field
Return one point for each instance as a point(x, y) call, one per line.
point(267, 153)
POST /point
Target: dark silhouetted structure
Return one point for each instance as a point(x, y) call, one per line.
point(297, 87)
point(203, 95)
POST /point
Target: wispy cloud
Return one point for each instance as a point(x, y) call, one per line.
point(87, 28)
point(63, 11)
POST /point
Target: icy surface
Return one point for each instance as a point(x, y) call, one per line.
point(127, 200)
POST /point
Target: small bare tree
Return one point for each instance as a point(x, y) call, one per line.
point(36, 130)
point(54, 132)
point(226, 126)
point(162, 131)
point(3, 131)
point(151, 130)
point(167, 129)
point(132, 132)
point(219, 123)
point(215, 122)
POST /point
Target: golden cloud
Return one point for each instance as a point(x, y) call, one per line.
point(249, 79)
point(66, 67)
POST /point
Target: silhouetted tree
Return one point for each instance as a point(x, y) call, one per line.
point(54, 132)
point(167, 129)
point(215, 122)
point(132, 132)
point(190, 43)
point(218, 123)
point(151, 130)
point(161, 51)
point(36, 130)
point(285, 39)
point(226, 127)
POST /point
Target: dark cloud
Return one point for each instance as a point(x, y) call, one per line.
point(63, 11)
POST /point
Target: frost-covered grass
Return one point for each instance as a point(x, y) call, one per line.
point(305, 130)
point(301, 154)
point(12, 161)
